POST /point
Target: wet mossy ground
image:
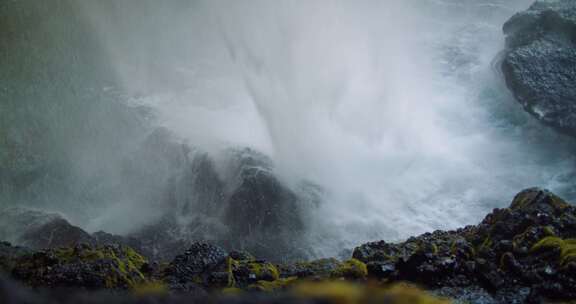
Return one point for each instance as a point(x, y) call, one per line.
point(522, 254)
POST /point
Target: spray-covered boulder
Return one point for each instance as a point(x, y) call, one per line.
point(38, 229)
point(540, 62)
point(241, 204)
point(264, 215)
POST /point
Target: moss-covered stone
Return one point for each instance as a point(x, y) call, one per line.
point(248, 272)
point(321, 268)
point(272, 286)
point(534, 198)
point(565, 247)
point(351, 269)
point(111, 267)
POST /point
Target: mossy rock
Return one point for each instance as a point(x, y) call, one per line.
point(351, 269)
point(105, 267)
point(273, 286)
point(321, 268)
point(538, 199)
point(565, 247)
point(243, 273)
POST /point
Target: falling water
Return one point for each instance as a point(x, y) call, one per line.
point(395, 108)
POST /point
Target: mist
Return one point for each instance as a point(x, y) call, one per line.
point(395, 108)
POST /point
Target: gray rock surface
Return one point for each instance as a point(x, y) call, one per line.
point(540, 62)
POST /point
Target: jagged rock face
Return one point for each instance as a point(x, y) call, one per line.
point(540, 62)
point(261, 209)
point(38, 229)
point(524, 252)
point(241, 206)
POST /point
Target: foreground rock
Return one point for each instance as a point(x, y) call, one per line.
point(540, 62)
point(82, 266)
point(523, 253)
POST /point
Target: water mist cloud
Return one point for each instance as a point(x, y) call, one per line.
point(391, 106)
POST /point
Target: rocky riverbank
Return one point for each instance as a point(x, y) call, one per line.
point(525, 253)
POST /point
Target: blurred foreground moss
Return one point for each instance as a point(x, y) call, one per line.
point(344, 292)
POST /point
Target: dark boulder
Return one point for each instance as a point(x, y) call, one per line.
point(540, 62)
point(244, 205)
point(196, 267)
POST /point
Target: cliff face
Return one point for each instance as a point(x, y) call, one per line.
point(540, 62)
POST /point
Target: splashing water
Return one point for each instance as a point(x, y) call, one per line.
point(395, 108)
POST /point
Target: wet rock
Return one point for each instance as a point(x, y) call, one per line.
point(82, 266)
point(262, 213)
point(514, 254)
point(321, 268)
point(9, 255)
point(38, 230)
point(540, 62)
point(196, 264)
point(243, 205)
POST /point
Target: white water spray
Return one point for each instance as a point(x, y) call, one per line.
point(392, 106)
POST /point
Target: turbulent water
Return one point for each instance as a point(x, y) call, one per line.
point(395, 108)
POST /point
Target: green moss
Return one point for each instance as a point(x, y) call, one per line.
point(486, 244)
point(276, 285)
point(231, 264)
point(150, 288)
point(549, 242)
point(318, 268)
point(126, 263)
point(343, 292)
point(549, 231)
point(469, 251)
point(262, 270)
point(523, 201)
point(434, 248)
point(558, 203)
point(352, 269)
point(566, 247)
point(136, 259)
point(520, 202)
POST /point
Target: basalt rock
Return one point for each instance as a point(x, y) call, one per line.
point(82, 266)
point(39, 230)
point(540, 62)
point(526, 251)
point(244, 207)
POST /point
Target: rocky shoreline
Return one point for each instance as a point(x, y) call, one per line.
point(525, 253)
